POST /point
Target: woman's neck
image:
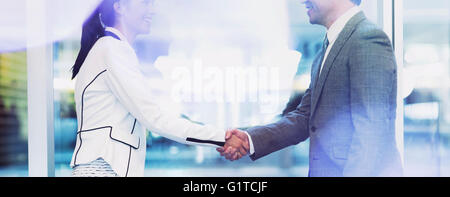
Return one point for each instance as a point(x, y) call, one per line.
point(129, 35)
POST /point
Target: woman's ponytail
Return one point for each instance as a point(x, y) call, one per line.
point(94, 29)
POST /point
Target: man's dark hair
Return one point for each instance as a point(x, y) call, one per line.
point(357, 2)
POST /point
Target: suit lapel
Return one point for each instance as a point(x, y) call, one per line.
point(334, 52)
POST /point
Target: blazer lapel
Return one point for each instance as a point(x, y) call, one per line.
point(334, 52)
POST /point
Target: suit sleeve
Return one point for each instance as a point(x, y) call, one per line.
point(127, 84)
point(291, 129)
point(373, 93)
point(294, 101)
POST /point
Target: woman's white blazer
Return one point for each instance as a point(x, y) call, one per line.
point(114, 109)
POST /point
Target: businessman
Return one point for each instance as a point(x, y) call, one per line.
point(348, 111)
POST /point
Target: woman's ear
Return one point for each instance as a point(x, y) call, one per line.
point(118, 8)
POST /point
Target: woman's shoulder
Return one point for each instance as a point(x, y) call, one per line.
point(110, 43)
point(110, 47)
point(116, 52)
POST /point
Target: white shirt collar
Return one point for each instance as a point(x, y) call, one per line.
point(339, 24)
point(117, 32)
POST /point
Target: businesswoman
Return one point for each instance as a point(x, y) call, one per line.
point(113, 106)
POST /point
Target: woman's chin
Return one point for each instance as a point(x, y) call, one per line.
point(145, 30)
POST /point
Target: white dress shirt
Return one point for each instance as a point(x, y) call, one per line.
point(336, 28)
point(332, 34)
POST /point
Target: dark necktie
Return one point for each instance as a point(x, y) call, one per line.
point(321, 57)
point(324, 50)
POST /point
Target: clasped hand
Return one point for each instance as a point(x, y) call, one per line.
point(236, 145)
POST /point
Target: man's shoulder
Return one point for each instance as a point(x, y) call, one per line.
point(367, 30)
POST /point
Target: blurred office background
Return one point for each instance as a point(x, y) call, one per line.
point(271, 38)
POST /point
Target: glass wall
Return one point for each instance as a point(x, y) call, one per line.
point(13, 114)
point(271, 41)
point(189, 59)
point(427, 82)
point(201, 60)
point(65, 126)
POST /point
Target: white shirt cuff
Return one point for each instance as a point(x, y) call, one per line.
point(250, 143)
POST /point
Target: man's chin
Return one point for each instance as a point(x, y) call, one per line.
point(313, 22)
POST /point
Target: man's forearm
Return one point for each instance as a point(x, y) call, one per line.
point(291, 129)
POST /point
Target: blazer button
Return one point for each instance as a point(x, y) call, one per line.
point(313, 129)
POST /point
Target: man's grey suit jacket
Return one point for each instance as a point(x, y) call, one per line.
point(348, 113)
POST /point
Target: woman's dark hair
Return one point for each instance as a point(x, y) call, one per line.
point(94, 29)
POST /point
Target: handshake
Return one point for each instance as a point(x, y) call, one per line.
point(236, 146)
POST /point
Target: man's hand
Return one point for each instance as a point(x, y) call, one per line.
point(236, 146)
